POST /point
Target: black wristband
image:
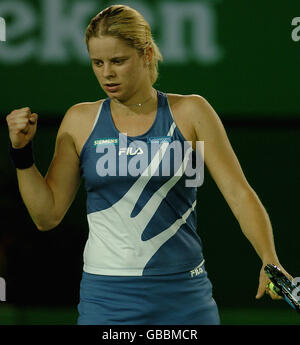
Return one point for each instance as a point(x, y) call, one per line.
point(22, 158)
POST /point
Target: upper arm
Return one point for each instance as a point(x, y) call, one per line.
point(63, 176)
point(219, 156)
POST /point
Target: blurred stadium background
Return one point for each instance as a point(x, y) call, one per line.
point(242, 56)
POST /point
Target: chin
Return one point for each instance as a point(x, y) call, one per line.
point(119, 95)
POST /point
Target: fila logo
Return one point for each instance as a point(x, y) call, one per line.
point(129, 151)
point(197, 270)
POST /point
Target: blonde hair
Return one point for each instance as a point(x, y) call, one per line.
point(126, 23)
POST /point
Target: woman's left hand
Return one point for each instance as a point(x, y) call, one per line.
point(264, 281)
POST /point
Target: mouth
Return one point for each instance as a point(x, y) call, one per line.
point(112, 87)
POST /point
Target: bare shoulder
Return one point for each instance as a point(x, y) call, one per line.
point(190, 113)
point(79, 120)
point(197, 111)
point(80, 114)
point(192, 105)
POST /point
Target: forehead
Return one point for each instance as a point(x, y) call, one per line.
point(108, 46)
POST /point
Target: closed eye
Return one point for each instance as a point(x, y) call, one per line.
point(118, 61)
point(115, 61)
point(97, 62)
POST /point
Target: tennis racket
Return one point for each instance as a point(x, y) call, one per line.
point(283, 286)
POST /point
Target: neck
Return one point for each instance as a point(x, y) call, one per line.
point(139, 102)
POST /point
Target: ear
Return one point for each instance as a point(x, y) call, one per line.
point(148, 55)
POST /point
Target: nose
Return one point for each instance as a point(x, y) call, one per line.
point(108, 71)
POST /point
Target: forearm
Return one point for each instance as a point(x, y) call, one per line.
point(256, 226)
point(37, 197)
point(46, 198)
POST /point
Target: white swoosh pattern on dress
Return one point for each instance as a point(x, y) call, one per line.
point(115, 246)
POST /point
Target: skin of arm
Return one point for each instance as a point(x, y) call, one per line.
point(48, 198)
point(227, 173)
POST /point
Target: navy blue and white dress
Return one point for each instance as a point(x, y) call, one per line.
point(143, 260)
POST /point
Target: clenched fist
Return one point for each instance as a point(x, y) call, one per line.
point(22, 126)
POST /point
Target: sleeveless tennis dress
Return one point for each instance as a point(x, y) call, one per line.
point(143, 261)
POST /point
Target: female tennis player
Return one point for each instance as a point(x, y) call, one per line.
point(143, 260)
